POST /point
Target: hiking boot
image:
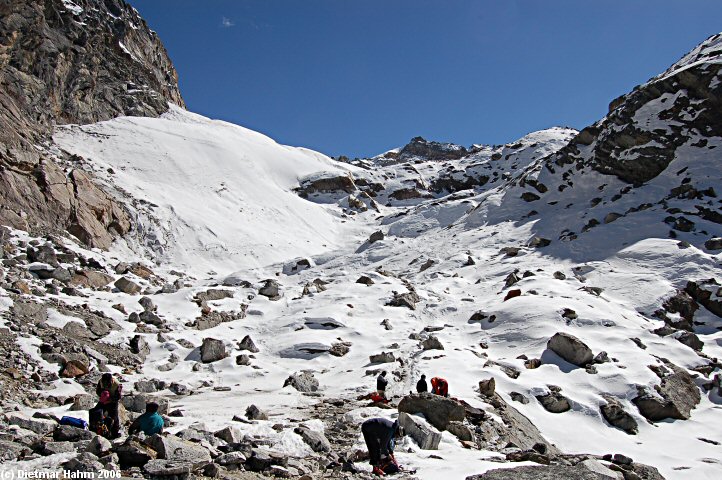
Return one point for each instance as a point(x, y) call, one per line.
point(378, 471)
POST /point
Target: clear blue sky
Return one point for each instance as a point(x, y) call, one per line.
point(361, 77)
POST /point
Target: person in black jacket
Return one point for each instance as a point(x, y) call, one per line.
point(421, 386)
point(110, 393)
point(380, 437)
point(381, 383)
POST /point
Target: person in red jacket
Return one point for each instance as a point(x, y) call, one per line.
point(439, 386)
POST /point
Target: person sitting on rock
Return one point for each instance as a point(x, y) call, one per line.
point(439, 386)
point(149, 423)
point(381, 383)
point(110, 392)
point(421, 386)
point(380, 436)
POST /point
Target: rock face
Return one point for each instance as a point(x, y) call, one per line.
point(570, 348)
point(419, 147)
point(426, 436)
point(674, 397)
point(437, 410)
point(82, 63)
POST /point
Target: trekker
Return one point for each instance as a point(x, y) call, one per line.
point(439, 386)
point(381, 383)
point(149, 423)
point(421, 386)
point(109, 392)
point(380, 436)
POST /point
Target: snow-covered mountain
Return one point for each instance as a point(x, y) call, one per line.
point(252, 273)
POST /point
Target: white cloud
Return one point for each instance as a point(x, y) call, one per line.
point(227, 22)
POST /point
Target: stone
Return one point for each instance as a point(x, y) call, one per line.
point(11, 451)
point(168, 468)
point(99, 446)
point(554, 402)
point(67, 433)
point(714, 243)
point(127, 286)
point(377, 236)
point(248, 344)
point(559, 276)
point(229, 434)
point(612, 216)
point(37, 425)
point(255, 413)
point(134, 454)
point(314, 439)
point(243, 360)
point(340, 349)
point(487, 387)
point(139, 346)
point(270, 289)
point(570, 348)
point(518, 397)
point(179, 388)
point(539, 242)
point(689, 339)
point(408, 300)
point(549, 472)
point(303, 382)
point(232, 458)
point(52, 448)
point(85, 462)
point(174, 448)
point(213, 350)
point(213, 294)
point(136, 403)
point(432, 343)
point(614, 413)
point(426, 436)
point(674, 397)
point(90, 279)
point(364, 280)
point(437, 410)
point(147, 304)
point(461, 431)
point(383, 357)
point(597, 467)
point(512, 294)
point(151, 318)
point(83, 402)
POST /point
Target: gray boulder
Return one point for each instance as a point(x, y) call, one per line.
point(139, 346)
point(248, 344)
point(11, 451)
point(168, 468)
point(303, 382)
point(487, 387)
point(83, 463)
point(432, 343)
point(437, 410)
point(176, 449)
point(212, 350)
point(37, 425)
point(314, 439)
point(127, 286)
point(383, 357)
point(66, 433)
point(270, 289)
point(461, 431)
point(674, 397)
point(714, 243)
point(554, 402)
point(232, 458)
point(134, 454)
point(255, 413)
point(615, 414)
point(549, 472)
point(425, 435)
point(229, 434)
point(571, 349)
point(99, 446)
point(136, 403)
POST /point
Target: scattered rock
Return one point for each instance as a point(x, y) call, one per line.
point(247, 344)
point(314, 439)
point(212, 350)
point(408, 300)
point(487, 387)
point(383, 357)
point(363, 279)
point(570, 348)
point(270, 289)
point(615, 414)
point(127, 286)
point(674, 397)
point(377, 236)
point(554, 402)
point(255, 413)
point(303, 382)
point(432, 343)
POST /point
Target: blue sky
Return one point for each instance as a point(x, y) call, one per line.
point(360, 77)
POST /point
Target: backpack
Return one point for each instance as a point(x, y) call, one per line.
point(74, 422)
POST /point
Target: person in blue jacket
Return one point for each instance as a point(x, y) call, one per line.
point(149, 423)
point(380, 437)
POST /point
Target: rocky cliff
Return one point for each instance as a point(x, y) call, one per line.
point(62, 62)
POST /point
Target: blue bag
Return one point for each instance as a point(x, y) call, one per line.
point(74, 422)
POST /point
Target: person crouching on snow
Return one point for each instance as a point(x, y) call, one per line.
point(380, 436)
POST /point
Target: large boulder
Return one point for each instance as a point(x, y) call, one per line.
point(213, 350)
point(674, 397)
point(128, 286)
point(571, 349)
point(549, 472)
point(425, 435)
point(314, 439)
point(134, 454)
point(615, 414)
point(136, 403)
point(168, 468)
point(437, 410)
point(37, 425)
point(303, 382)
point(177, 449)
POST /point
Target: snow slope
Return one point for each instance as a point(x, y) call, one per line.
point(209, 195)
